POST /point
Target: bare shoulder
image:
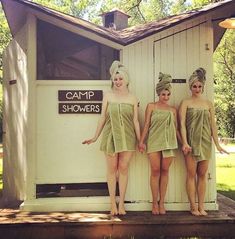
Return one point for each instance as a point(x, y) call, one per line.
point(150, 105)
point(149, 108)
point(108, 95)
point(133, 98)
point(185, 102)
point(210, 104)
point(174, 109)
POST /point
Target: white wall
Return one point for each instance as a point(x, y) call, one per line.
point(54, 150)
point(177, 51)
point(60, 155)
point(15, 118)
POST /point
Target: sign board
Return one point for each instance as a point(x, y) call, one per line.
point(178, 80)
point(80, 108)
point(80, 95)
point(82, 101)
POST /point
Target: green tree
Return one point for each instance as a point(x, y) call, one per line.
point(140, 11)
point(224, 62)
point(77, 8)
point(5, 37)
point(179, 7)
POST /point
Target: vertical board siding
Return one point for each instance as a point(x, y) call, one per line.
point(179, 90)
point(139, 60)
point(178, 51)
point(15, 106)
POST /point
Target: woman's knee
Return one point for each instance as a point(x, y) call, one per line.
point(123, 167)
point(164, 171)
point(191, 174)
point(155, 171)
point(202, 169)
point(112, 169)
point(202, 174)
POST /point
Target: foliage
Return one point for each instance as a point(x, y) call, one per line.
point(179, 7)
point(77, 8)
point(224, 59)
point(1, 184)
point(5, 38)
point(140, 11)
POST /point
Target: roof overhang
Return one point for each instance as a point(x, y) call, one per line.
point(16, 12)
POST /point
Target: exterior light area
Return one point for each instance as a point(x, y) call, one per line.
point(228, 23)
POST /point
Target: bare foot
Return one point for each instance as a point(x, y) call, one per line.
point(121, 209)
point(155, 209)
point(162, 209)
point(195, 212)
point(203, 212)
point(113, 210)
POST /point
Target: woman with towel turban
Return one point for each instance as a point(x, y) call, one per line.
point(198, 127)
point(120, 126)
point(160, 129)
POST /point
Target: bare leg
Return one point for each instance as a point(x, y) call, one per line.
point(201, 185)
point(165, 165)
point(191, 166)
point(155, 160)
point(123, 166)
point(111, 162)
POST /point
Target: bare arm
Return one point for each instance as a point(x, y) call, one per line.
point(148, 112)
point(100, 124)
point(136, 121)
point(182, 116)
point(178, 135)
point(214, 130)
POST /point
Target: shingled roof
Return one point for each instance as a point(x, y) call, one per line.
point(128, 35)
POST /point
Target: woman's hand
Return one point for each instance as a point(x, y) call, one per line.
point(89, 141)
point(186, 149)
point(141, 147)
point(221, 150)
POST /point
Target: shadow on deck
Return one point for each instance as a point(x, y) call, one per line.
point(15, 224)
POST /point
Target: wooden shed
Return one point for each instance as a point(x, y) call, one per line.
point(55, 73)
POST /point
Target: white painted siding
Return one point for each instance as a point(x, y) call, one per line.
point(52, 139)
point(15, 104)
point(60, 156)
point(177, 51)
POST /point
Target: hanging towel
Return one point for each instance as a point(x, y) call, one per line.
point(199, 134)
point(118, 133)
point(162, 132)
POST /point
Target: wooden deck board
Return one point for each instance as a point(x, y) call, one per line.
point(16, 224)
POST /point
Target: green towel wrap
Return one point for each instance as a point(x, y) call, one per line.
point(118, 133)
point(199, 133)
point(162, 132)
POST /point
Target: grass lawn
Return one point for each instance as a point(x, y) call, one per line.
point(0, 173)
point(225, 173)
point(0, 176)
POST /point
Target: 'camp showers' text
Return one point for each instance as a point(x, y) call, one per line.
point(84, 107)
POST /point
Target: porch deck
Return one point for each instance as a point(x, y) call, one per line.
point(15, 224)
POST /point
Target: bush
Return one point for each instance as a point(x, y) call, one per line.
point(1, 113)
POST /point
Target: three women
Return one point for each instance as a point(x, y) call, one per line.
point(119, 122)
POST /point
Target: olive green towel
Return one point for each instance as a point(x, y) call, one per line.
point(199, 133)
point(118, 133)
point(162, 132)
